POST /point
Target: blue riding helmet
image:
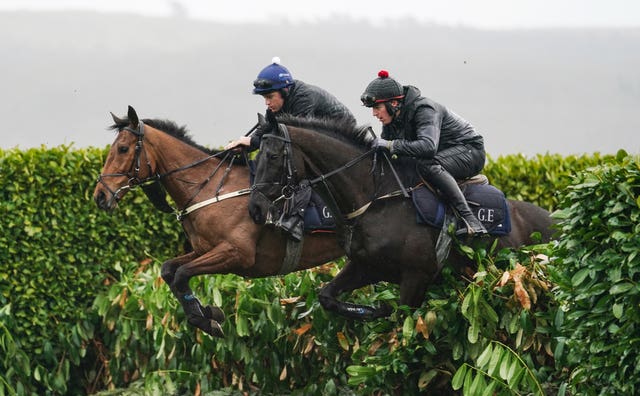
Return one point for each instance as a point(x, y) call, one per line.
point(272, 78)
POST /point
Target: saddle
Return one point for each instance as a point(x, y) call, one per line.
point(487, 203)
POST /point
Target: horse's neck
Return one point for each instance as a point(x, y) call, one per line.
point(189, 183)
point(351, 187)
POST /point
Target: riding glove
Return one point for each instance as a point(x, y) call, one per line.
point(382, 144)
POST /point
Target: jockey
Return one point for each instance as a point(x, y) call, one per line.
point(284, 95)
point(447, 147)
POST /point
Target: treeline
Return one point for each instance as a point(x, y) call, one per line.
point(83, 309)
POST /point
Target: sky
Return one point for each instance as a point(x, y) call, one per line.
point(484, 14)
point(565, 75)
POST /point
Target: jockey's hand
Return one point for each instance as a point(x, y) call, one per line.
point(381, 144)
point(239, 144)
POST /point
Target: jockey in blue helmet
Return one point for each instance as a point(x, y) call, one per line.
point(285, 95)
point(274, 77)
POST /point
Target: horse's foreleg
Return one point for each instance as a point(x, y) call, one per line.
point(192, 306)
point(351, 277)
point(222, 259)
point(169, 267)
point(413, 287)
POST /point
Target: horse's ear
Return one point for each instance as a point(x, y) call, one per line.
point(133, 117)
point(116, 120)
point(271, 117)
point(261, 120)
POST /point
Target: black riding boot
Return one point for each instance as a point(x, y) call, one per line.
point(450, 191)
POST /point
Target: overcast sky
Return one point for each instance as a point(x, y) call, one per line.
point(490, 14)
point(584, 83)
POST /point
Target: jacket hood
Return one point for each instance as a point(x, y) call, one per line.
point(411, 95)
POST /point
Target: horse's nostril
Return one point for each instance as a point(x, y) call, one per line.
point(254, 212)
point(100, 199)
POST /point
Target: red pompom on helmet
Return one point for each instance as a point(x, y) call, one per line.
point(382, 89)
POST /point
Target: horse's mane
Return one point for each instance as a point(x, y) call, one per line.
point(338, 128)
point(179, 132)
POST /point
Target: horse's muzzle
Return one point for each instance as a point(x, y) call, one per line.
point(260, 207)
point(256, 213)
point(103, 202)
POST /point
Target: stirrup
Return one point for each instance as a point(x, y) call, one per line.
point(468, 230)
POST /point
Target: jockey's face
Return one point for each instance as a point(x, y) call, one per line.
point(379, 111)
point(274, 101)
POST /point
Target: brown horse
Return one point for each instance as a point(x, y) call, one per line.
point(376, 224)
point(212, 204)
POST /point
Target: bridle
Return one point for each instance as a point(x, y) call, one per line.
point(133, 174)
point(288, 178)
point(134, 180)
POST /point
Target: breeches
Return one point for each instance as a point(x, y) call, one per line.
point(461, 162)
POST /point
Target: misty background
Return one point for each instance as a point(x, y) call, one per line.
point(531, 91)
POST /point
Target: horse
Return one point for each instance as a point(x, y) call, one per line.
point(376, 224)
point(211, 206)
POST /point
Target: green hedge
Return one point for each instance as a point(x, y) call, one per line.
point(58, 253)
point(80, 293)
point(598, 279)
point(539, 179)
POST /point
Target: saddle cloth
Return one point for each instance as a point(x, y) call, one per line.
point(487, 203)
point(317, 216)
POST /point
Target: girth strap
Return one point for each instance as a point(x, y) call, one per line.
point(181, 214)
point(292, 256)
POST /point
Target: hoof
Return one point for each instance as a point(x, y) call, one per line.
point(384, 311)
point(212, 312)
point(214, 330)
point(207, 325)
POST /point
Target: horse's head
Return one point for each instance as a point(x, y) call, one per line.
point(128, 163)
point(313, 149)
point(276, 177)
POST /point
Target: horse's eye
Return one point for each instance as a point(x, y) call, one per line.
point(123, 149)
point(273, 156)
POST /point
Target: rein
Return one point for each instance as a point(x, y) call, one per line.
point(135, 181)
point(289, 189)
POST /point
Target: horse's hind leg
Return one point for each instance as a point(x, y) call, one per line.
point(351, 277)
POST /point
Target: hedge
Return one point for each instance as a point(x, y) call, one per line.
point(82, 307)
point(58, 253)
point(598, 279)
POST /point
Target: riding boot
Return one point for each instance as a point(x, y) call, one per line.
point(450, 191)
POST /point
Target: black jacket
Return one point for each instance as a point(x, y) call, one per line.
point(424, 127)
point(306, 100)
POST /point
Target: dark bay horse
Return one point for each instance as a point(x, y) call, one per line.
point(213, 197)
point(378, 232)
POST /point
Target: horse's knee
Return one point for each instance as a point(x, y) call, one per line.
point(327, 301)
point(167, 272)
point(181, 278)
point(413, 289)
